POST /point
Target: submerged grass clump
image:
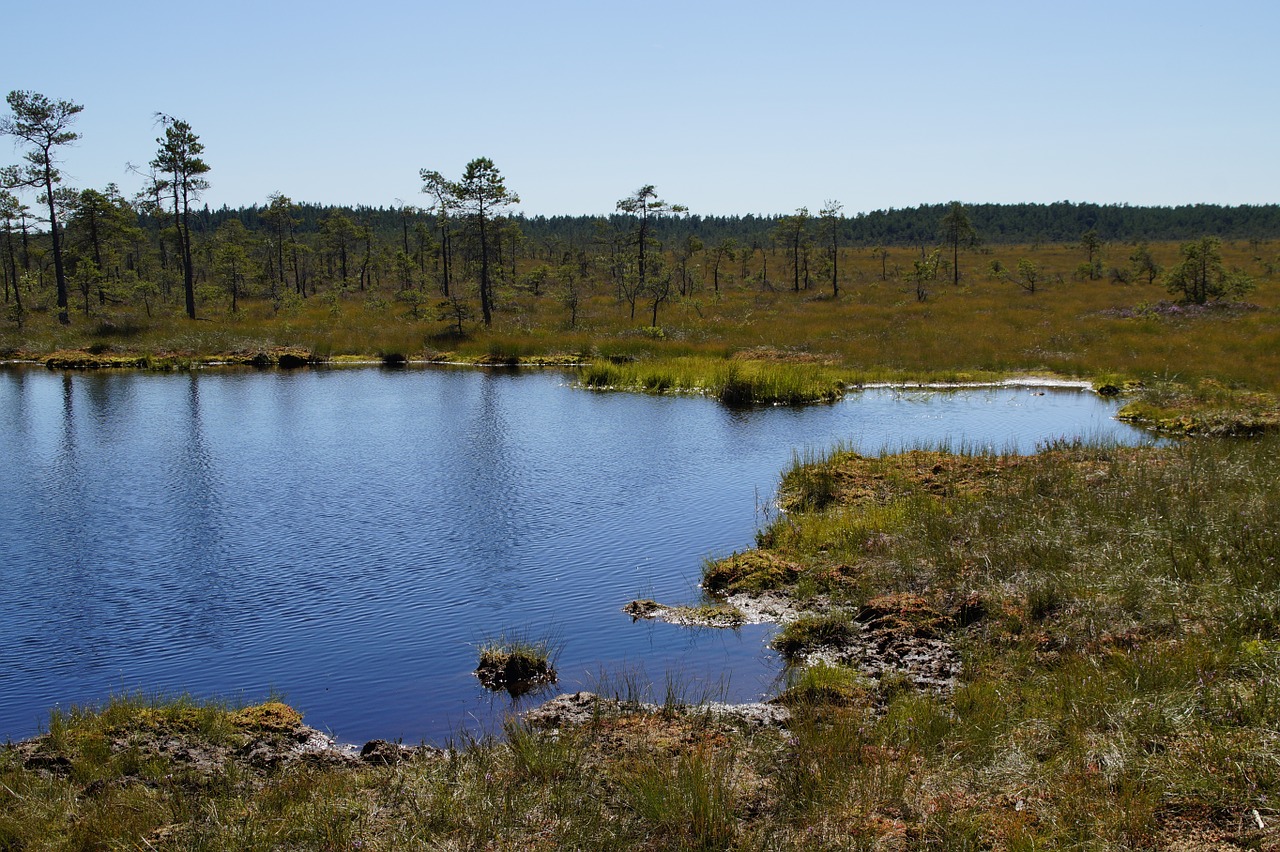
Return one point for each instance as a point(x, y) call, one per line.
point(516, 662)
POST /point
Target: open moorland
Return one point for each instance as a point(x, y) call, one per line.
point(1029, 309)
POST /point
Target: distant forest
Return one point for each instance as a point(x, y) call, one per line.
point(1060, 222)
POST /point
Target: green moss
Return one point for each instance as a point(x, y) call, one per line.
point(750, 571)
point(832, 629)
point(271, 716)
point(822, 685)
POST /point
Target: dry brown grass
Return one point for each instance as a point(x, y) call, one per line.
point(876, 327)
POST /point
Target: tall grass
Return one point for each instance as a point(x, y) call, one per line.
point(731, 381)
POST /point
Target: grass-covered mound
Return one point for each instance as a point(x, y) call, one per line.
point(516, 663)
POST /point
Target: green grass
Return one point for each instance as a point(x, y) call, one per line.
point(824, 684)
point(730, 381)
point(806, 633)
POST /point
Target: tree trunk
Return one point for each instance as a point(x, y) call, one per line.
point(485, 307)
point(183, 224)
point(58, 272)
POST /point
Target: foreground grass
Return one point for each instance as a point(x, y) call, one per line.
point(1117, 612)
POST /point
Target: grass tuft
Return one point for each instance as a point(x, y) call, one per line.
point(516, 663)
point(828, 630)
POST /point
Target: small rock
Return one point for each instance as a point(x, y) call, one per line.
point(383, 753)
point(645, 608)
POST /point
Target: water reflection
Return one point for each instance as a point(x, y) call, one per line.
point(348, 537)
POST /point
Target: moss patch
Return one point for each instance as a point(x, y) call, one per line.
point(750, 571)
point(828, 630)
point(271, 716)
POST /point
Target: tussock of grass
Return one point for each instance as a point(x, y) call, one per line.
point(823, 685)
point(833, 629)
point(516, 662)
point(752, 571)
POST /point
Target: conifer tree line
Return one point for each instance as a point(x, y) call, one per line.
point(82, 250)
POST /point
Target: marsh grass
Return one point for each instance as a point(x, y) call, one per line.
point(517, 661)
point(734, 382)
point(633, 686)
point(875, 332)
point(831, 629)
point(689, 805)
point(1204, 407)
point(1125, 623)
point(823, 684)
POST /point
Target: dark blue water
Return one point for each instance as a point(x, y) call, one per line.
point(345, 538)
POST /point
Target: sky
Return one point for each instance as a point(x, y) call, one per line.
point(725, 107)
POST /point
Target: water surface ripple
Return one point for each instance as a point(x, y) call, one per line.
point(344, 538)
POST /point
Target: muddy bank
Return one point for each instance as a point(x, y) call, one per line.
point(581, 708)
point(892, 636)
point(257, 741)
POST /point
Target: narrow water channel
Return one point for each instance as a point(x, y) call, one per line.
point(345, 538)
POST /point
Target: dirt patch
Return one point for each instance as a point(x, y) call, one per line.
point(718, 615)
point(896, 635)
point(783, 356)
point(775, 607)
point(580, 708)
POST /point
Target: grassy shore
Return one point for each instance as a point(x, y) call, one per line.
point(875, 330)
point(1200, 369)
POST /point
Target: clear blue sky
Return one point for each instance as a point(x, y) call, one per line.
point(727, 107)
